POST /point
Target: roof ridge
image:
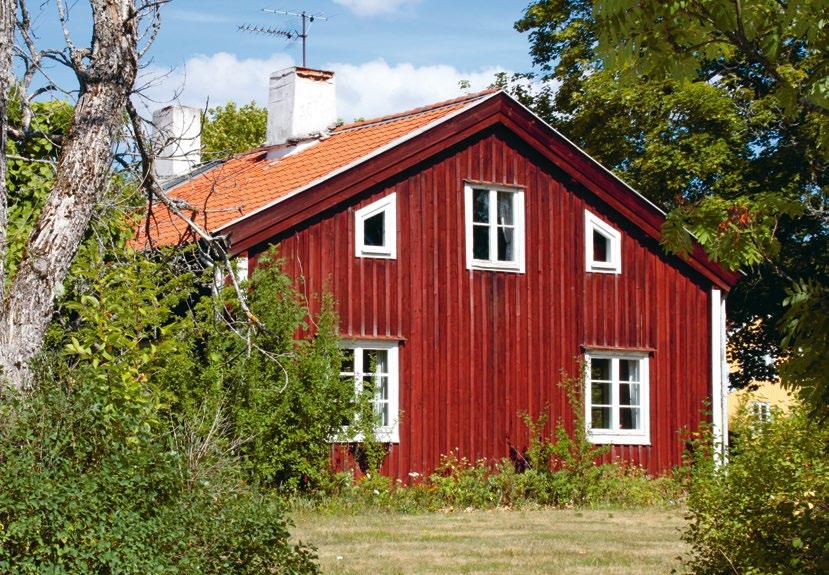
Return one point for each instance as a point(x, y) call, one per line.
point(414, 111)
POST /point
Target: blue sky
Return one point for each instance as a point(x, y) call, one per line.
point(388, 55)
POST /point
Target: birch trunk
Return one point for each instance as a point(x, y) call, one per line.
point(106, 73)
point(7, 16)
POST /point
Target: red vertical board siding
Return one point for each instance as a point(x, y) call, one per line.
point(478, 348)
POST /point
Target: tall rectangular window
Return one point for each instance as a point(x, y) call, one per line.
point(617, 398)
point(494, 227)
point(376, 364)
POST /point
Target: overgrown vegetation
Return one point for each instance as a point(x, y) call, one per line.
point(163, 427)
point(97, 480)
point(767, 511)
point(557, 470)
point(458, 484)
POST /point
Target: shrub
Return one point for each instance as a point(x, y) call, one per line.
point(90, 487)
point(284, 393)
point(141, 324)
point(767, 510)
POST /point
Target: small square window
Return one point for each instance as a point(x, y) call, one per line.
point(603, 245)
point(616, 399)
point(376, 229)
point(494, 228)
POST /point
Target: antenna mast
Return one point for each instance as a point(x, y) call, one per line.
point(307, 20)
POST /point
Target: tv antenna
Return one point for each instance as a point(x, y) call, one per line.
point(290, 34)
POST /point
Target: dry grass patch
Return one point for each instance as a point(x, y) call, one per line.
point(526, 542)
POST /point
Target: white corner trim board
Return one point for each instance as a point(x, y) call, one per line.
point(719, 377)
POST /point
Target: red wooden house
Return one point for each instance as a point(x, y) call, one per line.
point(475, 255)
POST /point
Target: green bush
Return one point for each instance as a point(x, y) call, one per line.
point(284, 393)
point(767, 510)
point(140, 323)
point(89, 487)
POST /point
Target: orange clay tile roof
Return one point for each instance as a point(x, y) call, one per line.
point(243, 184)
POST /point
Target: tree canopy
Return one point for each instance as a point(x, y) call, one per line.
point(229, 130)
point(717, 112)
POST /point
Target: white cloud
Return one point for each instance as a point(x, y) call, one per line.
point(367, 90)
point(375, 7)
point(218, 78)
point(377, 88)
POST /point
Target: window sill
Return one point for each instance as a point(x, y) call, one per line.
point(495, 267)
point(377, 256)
point(380, 436)
point(618, 439)
point(601, 270)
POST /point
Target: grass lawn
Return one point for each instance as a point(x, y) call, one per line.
point(536, 541)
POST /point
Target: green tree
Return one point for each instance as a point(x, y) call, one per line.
point(228, 130)
point(674, 98)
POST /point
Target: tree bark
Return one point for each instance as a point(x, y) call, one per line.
point(7, 17)
point(106, 74)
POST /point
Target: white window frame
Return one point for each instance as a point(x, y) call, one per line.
point(220, 278)
point(614, 435)
point(760, 411)
point(516, 266)
point(593, 223)
point(242, 268)
point(387, 433)
point(387, 205)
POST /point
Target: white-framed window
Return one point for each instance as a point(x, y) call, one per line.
point(494, 227)
point(602, 245)
point(221, 279)
point(761, 411)
point(617, 398)
point(376, 229)
point(376, 363)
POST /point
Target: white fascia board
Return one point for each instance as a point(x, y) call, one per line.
point(591, 158)
point(601, 166)
point(358, 161)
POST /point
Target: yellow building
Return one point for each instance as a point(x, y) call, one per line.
point(760, 401)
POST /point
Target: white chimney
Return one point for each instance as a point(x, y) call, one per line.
point(302, 103)
point(177, 140)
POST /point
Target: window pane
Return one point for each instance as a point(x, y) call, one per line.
point(374, 230)
point(506, 253)
point(600, 418)
point(600, 394)
point(629, 418)
point(629, 370)
point(505, 208)
point(375, 361)
point(382, 411)
point(480, 206)
point(629, 394)
point(381, 389)
point(600, 369)
point(348, 361)
point(601, 247)
point(480, 242)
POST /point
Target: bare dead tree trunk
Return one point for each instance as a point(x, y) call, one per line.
point(106, 73)
point(7, 17)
